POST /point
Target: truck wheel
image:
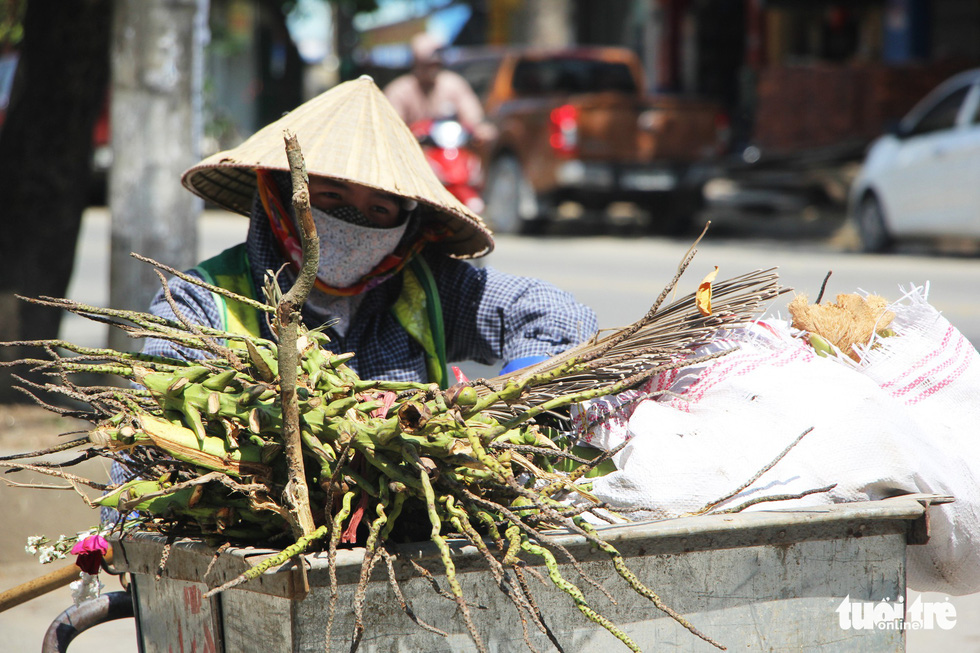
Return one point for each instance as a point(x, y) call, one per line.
point(507, 196)
point(871, 227)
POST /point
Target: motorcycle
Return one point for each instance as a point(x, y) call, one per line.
point(445, 142)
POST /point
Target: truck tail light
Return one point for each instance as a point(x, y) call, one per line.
point(564, 130)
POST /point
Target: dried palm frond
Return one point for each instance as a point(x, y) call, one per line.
point(662, 339)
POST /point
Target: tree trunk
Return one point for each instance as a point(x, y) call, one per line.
point(157, 67)
point(45, 155)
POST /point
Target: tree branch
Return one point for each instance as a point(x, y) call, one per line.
point(288, 318)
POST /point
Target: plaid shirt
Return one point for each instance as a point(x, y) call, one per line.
point(489, 316)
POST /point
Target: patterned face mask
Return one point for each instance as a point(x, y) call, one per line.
point(419, 232)
point(351, 215)
point(350, 247)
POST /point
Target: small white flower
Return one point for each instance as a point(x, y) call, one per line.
point(86, 588)
point(49, 553)
point(34, 542)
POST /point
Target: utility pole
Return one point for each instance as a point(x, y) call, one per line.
point(547, 23)
point(156, 120)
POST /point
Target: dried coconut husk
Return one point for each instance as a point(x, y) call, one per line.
point(853, 319)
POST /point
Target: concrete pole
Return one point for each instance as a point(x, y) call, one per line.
point(653, 34)
point(546, 23)
point(156, 120)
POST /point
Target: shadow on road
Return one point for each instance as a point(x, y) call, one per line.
point(824, 227)
point(812, 225)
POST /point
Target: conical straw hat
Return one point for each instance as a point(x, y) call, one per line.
point(351, 133)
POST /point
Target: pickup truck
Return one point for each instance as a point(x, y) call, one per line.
point(577, 133)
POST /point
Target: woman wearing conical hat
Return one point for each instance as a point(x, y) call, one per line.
point(392, 286)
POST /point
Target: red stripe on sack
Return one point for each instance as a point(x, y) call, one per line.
point(922, 361)
point(964, 346)
point(739, 366)
point(939, 386)
point(950, 359)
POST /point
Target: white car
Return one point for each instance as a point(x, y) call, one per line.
point(923, 180)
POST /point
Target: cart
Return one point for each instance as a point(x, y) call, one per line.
point(754, 581)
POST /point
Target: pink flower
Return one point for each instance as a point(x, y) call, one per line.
point(90, 552)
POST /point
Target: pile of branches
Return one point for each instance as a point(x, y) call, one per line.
point(282, 444)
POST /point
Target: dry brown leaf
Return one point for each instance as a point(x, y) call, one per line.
point(702, 297)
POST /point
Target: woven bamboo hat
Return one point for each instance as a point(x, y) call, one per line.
point(350, 133)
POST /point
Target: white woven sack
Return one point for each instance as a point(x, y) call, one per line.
point(734, 415)
point(934, 371)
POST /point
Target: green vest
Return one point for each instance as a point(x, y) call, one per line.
point(417, 308)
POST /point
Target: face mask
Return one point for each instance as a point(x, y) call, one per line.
point(349, 248)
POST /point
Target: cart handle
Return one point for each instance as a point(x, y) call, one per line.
point(44, 584)
point(78, 618)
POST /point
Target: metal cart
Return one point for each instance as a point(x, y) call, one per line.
point(755, 581)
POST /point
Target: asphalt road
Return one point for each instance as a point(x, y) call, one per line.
point(618, 274)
